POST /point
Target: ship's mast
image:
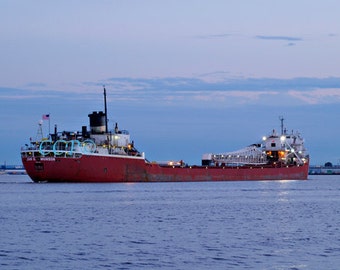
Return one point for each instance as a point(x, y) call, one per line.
point(281, 119)
point(105, 108)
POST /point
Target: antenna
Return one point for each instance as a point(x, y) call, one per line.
point(281, 119)
point(105, 109)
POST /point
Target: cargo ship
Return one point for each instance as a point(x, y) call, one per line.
point(98, 155)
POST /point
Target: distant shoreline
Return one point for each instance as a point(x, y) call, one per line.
point(12, 169)
point(13, 172)
point(324, 170)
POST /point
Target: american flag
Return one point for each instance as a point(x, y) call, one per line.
point(46, 117)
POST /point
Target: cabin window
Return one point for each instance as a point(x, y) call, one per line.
point(273, 144)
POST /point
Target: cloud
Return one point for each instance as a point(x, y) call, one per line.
point(234, 97)
point(228, 91)
point(285, 38)
point(19, 97)
point(36, 85)
point(191, 91)
point(317, 96)
point(41, 94)
point(213, 36)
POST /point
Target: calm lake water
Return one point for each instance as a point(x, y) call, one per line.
point(227, 225)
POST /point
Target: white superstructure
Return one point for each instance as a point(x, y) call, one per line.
point(275, 149)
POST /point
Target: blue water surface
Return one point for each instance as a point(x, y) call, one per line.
point(221, 225)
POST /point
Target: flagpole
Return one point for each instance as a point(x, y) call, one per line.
point(49, 124)
point(47, 117)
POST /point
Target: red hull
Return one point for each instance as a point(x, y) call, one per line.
point(96, 168)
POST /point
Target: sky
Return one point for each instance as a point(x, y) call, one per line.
point(184, 77)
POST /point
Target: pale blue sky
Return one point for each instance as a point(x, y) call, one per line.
point(185, 77)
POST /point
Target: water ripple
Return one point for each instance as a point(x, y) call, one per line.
point(238, 225)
